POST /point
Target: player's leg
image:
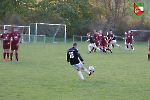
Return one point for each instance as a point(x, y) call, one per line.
point(107, 48)
point(94, 45)
point(7, 54)
point(7, 51)
point(130, 42)
point(131, 46)
point(80, 65)
point(4, 55)
point(4, 52)
point(127, 45)
point(103, 49)
point(16, 55)
point(11, 54)
point(76, 66)
point(16, 52)
point(115, 43)
point(89, 48)
point(92, 49)
point(11, 51)
point(110, 45)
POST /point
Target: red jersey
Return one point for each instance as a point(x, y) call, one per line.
point(103, 41)
point(95, 35)
point(5, 37)
point(15, 37)
point(129, 36)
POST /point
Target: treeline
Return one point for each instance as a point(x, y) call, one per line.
point(80, 16)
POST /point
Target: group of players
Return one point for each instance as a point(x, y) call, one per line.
point(97, 41)
point(10, 44)
point(107, 43)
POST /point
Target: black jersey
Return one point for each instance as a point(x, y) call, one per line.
point(73, 55)
point(113, 37)
point(91, 39)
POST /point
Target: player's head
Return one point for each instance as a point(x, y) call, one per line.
point(94, 31)
point(5, 31)
point(110, 31)
point(88, 34)
point(129, 31)
point(100, 31)
point(15, 29)
point(74, 44)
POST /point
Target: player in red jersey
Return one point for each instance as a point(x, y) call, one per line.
point(6, 44)
point(15, 40)
point(130, 40)
point(95, 35)
point(103, 43)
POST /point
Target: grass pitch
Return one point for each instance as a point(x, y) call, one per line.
point(42, 73)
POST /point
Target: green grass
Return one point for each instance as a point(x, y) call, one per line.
point(42, 73)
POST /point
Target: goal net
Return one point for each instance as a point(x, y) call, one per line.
point(141, 35)
point(78, 38)
point(23, 30)
point(45, 32)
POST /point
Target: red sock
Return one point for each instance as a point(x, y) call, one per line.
point(11, 54)
point(16, 54)
point(148, 56)
point(4, 55)
point(7, 55)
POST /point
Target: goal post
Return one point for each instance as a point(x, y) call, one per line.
point(51, 32)
point(23, 30)
point(141, 35)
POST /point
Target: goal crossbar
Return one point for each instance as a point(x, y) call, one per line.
point(36, 30)
point(140, 30)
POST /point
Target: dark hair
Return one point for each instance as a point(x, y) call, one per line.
point(74, 44)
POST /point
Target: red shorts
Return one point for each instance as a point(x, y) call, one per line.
point(103, 43)
point(6, 46)
point(129, 41)
point(14, 47)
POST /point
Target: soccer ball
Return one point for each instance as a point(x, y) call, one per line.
point(91, 68)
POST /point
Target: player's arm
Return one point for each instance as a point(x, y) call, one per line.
point(87, 40)
point(81, 59)
point(132, 38)
point(19, 40)
point(68, 57)
point(1, 36)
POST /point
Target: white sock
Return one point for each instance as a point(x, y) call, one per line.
point(80, 74)
point(86, 71)
point(117, 45)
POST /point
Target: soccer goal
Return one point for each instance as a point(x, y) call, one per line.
point(23, 30)
point(76, 38)
point(141, 35)
point(45, 32)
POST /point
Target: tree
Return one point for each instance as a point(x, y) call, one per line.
point(21, 8)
